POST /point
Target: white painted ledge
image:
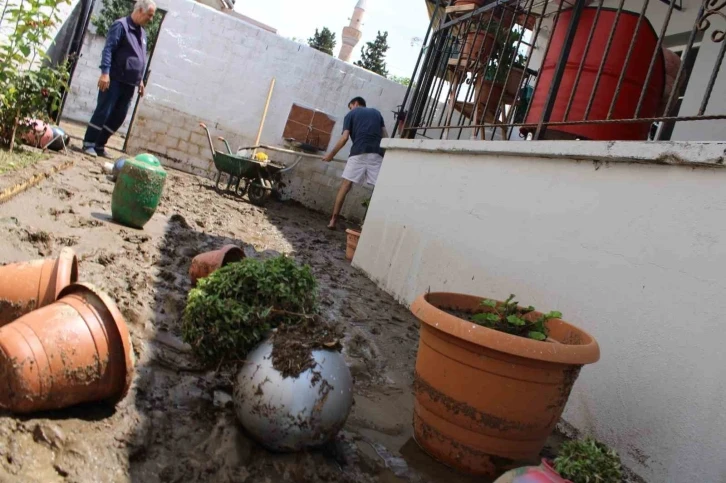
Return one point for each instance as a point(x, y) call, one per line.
point(712, 154)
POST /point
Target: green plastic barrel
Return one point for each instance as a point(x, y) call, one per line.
point(138, 190)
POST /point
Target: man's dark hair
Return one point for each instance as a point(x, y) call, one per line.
point(361, 102)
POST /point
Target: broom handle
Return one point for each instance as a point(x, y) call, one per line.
point(264, 114)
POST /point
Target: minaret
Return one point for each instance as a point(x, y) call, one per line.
point(352, 33)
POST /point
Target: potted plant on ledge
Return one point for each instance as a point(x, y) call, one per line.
point(492, 379)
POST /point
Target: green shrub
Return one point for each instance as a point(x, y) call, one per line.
point(588, 461)
point(230, 311)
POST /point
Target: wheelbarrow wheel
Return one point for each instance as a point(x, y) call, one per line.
point(277, 191)
point(217, 182)
point(258, 193)
point(242, 187)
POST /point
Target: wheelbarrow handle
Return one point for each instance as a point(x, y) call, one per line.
point(229, 149)
point(291, 167)
point(209, 138)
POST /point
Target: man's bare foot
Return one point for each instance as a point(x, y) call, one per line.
point(333, 223)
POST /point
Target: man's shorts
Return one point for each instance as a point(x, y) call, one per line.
point(363, 168)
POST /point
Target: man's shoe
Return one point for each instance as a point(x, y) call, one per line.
point(90, 151)
point(102, 152)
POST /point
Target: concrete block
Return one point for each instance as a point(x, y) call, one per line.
point(168, 141)
point(184, 146)
point(198, 139)
point(179, 155)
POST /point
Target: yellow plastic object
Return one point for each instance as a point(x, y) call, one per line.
point(261, 157)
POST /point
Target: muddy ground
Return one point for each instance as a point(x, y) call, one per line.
point(177, 423)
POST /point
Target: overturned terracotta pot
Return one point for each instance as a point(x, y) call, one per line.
point(203, 265)
point(486, 401)
point(27, 286)
point(74, 350)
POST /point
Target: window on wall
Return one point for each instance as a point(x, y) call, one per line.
point(309, 126)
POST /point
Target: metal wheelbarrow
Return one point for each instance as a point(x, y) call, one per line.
point(257, 179)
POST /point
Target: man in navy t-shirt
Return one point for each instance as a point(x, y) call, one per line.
point(366, 128)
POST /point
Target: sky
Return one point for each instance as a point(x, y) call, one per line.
point(403, 19)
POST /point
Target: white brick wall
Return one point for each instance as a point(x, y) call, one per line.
point(213, 68)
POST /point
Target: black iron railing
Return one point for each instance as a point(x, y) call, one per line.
point(549, 69)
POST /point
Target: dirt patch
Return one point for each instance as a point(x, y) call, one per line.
point(293, 345)
point(39, 237)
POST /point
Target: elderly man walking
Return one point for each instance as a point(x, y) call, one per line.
point(123, 63)
point(365, 126)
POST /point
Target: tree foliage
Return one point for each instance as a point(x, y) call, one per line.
point(323, 40)
point(404, 81)
point(28, 90)
point(373, 55)
point(115, 9)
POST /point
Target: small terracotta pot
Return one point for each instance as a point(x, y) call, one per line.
point(492, 92)
point(515, 78)
point(27, 286)
point(205, 264)
point(486, 401)
point(478, 44)
point(352, 243)
point(74, 350)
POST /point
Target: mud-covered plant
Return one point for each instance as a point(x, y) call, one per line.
point(588, 461)
point(510, 318)
point(230, 311)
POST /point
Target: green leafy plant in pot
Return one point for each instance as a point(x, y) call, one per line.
point(510, 318)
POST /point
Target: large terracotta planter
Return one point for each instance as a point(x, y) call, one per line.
point(74, 350)
point(203, 265)
point(485, 400)
point(27, 286)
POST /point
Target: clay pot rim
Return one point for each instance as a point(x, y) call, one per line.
point(66, 271)
point(431, 315)
point(350, 231)
point(120, 325)
point(230, 251)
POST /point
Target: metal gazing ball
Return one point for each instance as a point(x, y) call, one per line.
point(292, 414)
